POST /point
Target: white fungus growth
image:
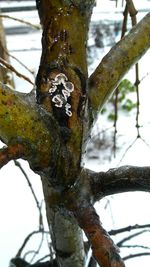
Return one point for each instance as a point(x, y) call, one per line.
point(60, 96)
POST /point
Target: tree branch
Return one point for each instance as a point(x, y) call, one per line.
point(41, 226)
point(37, 27)
point(104, 250)
point(26, 241)
point(26, 124)
point(116, 63)
point(5, 75)
point(131, 256)
point(10, 67)
point(119, 244)
point(129, 228)
point(12, 152)
point(18, 262)
point(118, 180)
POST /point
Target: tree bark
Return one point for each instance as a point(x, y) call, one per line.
point(117, 180)
point(65, 28)
point(66, 235)
point(52, 131)
point(116, 63)
point(23, 122)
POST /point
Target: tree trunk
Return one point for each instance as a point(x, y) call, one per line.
point(65, 27)
point(67, 239)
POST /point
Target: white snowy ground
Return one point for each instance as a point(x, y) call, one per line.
point(19, 215)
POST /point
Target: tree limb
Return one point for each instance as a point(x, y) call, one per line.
point(24, 123)
point(129, 228)
point(116, 63)
point(12, 152)
point(104, 250)
point(118, 180)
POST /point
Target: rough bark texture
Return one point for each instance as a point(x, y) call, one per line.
point(65, 232)
point(118, 180)
point(64, 51)
point(49, 130)
point(116, 63)
point(30, 129)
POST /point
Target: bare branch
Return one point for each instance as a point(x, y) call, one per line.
point(133, 12)
point(26, 241)
point(116, 63)
point(41, 226)
point(29, 183)
point(128, 228)
point(124, 28)
point(37, 27)
point(131, 256)
point(135, 246)
point(11, 152)
point(5, 74)
point(10, 67)
point(118, 180)
point(119, 244)
point(104, 250)
point(20, 62)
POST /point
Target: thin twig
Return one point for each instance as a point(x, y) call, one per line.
point(43, 258)
point(125, 20)
point(119, 244)
point(135, 246)
point(21, 63)
point(128, 229)
point(10, 67)
point(28, 253)
point(128, 148)
point(39, 247)
point(17, 163)
point(25, 242)
point(8, 54)
point(37, 27)
point(115, 121)
point(133, 12)
point(137, 82)
point(147, 144)
point(124, 29)
point(131, 256)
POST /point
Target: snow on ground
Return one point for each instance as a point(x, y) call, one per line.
point(18, 211)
